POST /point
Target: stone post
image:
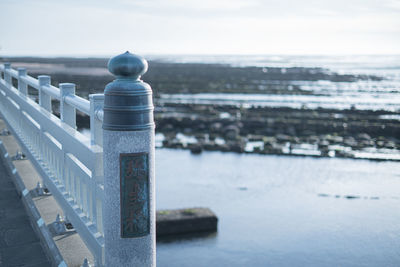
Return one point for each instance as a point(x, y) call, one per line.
point(129, 181)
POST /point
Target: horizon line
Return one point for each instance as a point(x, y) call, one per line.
point(79, 55)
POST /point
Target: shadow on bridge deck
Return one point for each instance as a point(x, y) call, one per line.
point(25, 236)
point(19, 243)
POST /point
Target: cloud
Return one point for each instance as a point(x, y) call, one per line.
point(189, 26)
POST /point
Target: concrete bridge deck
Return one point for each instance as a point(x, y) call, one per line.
point(22, 241)
point(19, 243)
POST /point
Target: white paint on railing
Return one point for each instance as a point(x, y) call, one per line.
point(67, 111)
point(96, 118)
point(70, 164)
point(44, 96)
point(78, 102)
point(22, 86)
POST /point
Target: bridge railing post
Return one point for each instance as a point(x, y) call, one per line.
point(96, 106)
point(22, 86)
point(44, 99)
point(129, 181)
point(67, 112)
point(7, 76)
point(23, 89)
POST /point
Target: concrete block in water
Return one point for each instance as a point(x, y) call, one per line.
point(185, 221)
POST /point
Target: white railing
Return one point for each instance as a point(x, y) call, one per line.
point(70, 163)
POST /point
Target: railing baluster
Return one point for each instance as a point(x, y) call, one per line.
point(23, 88)
point(99, 212)
point(67, 179)
point(78, 191)
point(44, 99)
point(67, 112)
point(86, 198)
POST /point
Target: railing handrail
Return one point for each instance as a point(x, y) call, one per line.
point(69, 163)
point(77, 102)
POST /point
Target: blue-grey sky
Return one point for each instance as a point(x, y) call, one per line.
point(102, 27)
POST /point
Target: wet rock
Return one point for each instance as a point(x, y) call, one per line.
point(337, 139)
point(252, 137)
point(224, 148)
point(195, 148)
point(380, 144)
point(200, 137)
point(168, 127)
point(257, 149)
point(172, 144)
point(324, 152)
point(313, 139)
point(291, 130)
point(390, 145)
point(201, 127)
point(216, 127)
point(350, 141)
point(187, 131)
point(295, 140)
point(323, 144)
point(231, 132)
point(351, 197)
point(282, 138)
point(211, 146)
point(236, 147)
point(366, 143)
point(363, 137)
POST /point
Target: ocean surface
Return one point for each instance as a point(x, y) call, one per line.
point(289, 211)
point(361, 94)
point(282, 211)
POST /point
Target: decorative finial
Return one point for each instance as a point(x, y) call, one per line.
point(128, 103)
point(127, 65)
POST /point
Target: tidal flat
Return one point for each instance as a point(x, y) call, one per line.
point(301, 111)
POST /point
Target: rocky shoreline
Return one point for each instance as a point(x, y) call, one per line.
point(276, 131)
point(318, 132)
point(279, 131)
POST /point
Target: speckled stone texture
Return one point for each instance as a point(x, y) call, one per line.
point(119, 251)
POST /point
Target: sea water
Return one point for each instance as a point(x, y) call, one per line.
point(282, 211)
